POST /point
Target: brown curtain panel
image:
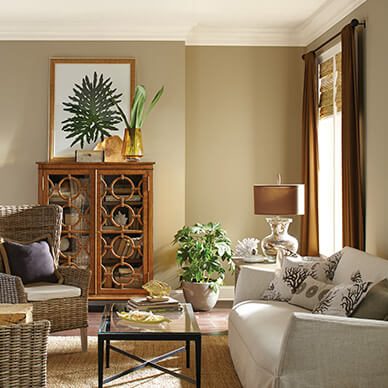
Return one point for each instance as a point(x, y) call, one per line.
point(352, 181)
point(309, 244)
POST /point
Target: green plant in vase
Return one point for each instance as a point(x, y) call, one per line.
point(133, 142)
point(203, 251)
point(93, 110)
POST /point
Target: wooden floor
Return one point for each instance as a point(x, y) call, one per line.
point(210, 323)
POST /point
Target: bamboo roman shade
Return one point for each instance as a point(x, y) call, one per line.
point(330, 86)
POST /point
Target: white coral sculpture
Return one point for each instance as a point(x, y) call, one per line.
point(247, 247)
point(121, 218)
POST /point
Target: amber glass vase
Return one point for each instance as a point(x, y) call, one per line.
point(132, 144)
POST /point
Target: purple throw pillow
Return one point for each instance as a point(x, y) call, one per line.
point(32, 262)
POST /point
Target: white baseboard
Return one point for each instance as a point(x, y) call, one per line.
point(226, 293)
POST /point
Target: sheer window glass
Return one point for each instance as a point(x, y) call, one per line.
point(329, 149)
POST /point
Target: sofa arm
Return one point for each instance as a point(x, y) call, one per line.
point(329, 351)
point(76, 277)
point(252, 282)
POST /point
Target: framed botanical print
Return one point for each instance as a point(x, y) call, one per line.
point(85, 94)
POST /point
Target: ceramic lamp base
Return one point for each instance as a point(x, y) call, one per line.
point(279, 238)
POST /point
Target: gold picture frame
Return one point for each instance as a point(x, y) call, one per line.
point(64, 73)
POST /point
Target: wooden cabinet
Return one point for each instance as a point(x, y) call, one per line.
point(107, 221)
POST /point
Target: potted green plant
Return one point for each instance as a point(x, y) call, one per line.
point(133, 141)
point(203, 249)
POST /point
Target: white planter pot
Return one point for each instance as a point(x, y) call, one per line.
point(200, 295)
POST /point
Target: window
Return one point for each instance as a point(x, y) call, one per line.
point(329, 149)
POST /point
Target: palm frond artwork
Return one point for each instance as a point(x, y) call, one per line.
point(93, 110)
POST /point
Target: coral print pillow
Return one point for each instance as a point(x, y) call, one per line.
point(293, 273)
point(332, 264)
point(310, 293)
point(343, 299)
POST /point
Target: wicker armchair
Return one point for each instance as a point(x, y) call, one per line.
point(23, 347)
point(23, 354)
point(26, 223)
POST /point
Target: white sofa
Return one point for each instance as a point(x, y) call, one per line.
point(275, 344)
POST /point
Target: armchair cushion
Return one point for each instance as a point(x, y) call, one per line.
point(45, 291)
point(32, 262)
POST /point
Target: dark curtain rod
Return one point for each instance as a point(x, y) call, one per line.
point(354, 23)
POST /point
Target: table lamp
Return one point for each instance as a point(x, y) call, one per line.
point(278, 200)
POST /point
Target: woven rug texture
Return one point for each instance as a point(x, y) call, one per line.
point(69, 367)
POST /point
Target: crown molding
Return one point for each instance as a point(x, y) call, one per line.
point(318, 23)
point(325, 18)
point(211, 36)
point(76, 32)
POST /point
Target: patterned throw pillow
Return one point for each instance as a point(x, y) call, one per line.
point(332, 263)
point(292, 274)
point(310, 293)
point(343, 299)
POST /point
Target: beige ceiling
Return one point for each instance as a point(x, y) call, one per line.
point(225, 22)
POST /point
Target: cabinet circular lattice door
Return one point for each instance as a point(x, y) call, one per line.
point(122, 231)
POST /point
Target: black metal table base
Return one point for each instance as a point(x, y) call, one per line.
point(144, 363)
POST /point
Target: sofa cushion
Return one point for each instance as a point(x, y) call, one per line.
point(375, 304)
point(372, 268)
point(46, 291)
point(262, 326)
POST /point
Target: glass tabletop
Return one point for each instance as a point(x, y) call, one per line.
point(182, 321)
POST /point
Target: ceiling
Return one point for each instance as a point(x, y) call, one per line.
point(197, 22)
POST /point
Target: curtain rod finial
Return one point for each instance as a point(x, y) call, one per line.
point(356, 22)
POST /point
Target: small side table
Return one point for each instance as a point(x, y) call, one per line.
point(15, 313)
point(241, 263)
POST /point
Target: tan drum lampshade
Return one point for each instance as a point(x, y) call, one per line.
point(279, 200)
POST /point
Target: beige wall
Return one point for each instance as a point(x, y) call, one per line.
point(243, 113)
point(376, 134)
point(24, 81)
point(375, 65)
point(242, 117)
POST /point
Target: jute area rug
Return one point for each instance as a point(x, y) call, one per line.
point(69, 367)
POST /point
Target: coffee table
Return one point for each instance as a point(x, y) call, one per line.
point(183, 327)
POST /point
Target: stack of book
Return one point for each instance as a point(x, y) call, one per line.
point(142, 303)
